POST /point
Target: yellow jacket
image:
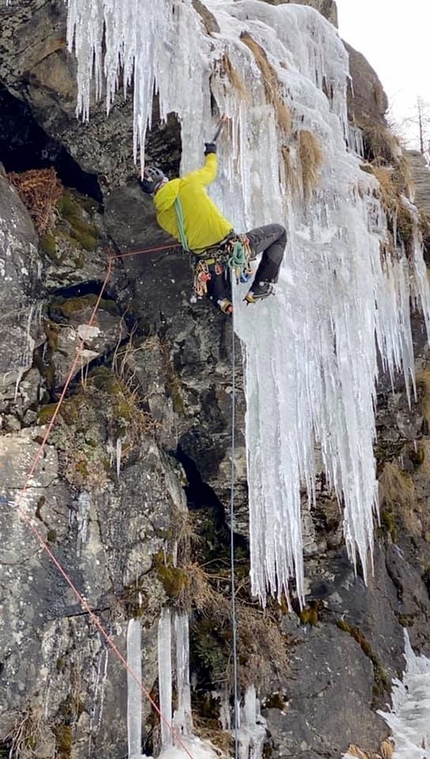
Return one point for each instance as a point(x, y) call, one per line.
point(204, 224)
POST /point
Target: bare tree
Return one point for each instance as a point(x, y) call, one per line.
point(416, 127)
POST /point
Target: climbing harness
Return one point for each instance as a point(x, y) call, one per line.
point(231, 256)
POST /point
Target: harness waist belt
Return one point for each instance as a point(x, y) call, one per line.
point(214, 247)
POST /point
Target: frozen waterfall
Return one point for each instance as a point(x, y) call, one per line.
point(311, 352)
point(409, 718)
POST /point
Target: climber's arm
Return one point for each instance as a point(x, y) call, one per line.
point(208, 172)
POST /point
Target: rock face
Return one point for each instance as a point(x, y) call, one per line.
point(367, 101)
point(145, 431)
point(421, 178)
point(20, 280)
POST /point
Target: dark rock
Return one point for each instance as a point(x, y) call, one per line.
point(328, 693)
point(367, 101)
point(209, 21)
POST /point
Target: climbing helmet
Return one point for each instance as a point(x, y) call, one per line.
point(152, 179)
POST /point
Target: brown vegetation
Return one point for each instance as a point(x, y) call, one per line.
point(423, 385)
point(380, 144)
point(227, 69)
point(311, 160)
point(396, 488)
point(270, 82)
point(385, 752)
point(40, 190)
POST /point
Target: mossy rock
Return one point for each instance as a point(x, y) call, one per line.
point(46, 413)
point(174, 580)
point(49, 246)
point(67, 307)
point(74, 210)
point(63, 741)
point(388, 523)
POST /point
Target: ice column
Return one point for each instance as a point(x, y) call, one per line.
point(252, 729)
point(134, 692)
point(183, 719)
point(165, 675)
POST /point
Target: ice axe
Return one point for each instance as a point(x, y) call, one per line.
point(220, 125)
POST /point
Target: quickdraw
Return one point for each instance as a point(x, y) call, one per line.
point(202, 276)
point(233, 254)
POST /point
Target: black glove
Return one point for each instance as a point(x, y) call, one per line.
point(210, 147)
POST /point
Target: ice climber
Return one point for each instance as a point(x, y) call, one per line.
point(186, 212)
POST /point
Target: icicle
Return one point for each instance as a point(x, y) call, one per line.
point(355, 140)
point(183, 718)
point(82, 515)
point(134, 693)
point(27, 355)
point(118, 454)
point(252, 730)
point(165, 676)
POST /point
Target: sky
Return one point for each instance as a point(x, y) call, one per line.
point(394, 36)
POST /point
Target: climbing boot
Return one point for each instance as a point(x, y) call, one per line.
point(260, 290)
point(226, 306)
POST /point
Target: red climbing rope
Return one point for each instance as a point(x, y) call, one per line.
point(148, 250)
point(27, 519)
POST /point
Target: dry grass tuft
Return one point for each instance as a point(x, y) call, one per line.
point(423, 385)
point(186, 534)
point(31, 736)
point(40, 190)
point(262, 649)
point(227, 69)
point(355, 751)
point(311, 159)
point(393, 184)
point(387, 749)
point(380, 144)
point(270, 82)
point(396, 488)
point(198, 593)
point(403, 177)
point(210, 730)
point(386, 178)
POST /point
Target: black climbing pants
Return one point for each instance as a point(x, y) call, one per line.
point(269, 240)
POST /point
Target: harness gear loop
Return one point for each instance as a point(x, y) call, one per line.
point(232, 254)
point(241, 254)
point(201, 277)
